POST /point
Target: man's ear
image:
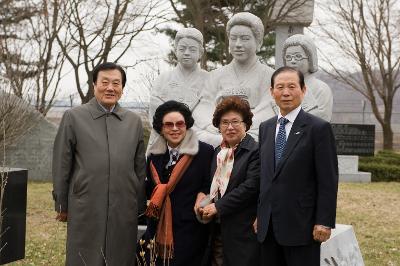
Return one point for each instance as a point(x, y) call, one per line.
point(270, 91)
point(304, 89)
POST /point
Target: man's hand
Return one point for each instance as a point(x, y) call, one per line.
point(321, 233)
point(255, 226)
point(62, 216)
point(209, 211)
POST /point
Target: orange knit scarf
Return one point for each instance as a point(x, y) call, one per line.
point(160, 206)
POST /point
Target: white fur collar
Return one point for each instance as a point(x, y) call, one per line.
point(189, 145)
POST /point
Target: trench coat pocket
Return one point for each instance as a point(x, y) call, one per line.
point(79, 187)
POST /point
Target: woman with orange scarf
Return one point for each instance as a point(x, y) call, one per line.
point(178, 173)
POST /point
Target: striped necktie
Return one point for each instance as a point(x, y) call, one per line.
point(280, 140)
point(173, 157)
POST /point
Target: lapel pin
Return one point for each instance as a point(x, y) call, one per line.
point(297, 133)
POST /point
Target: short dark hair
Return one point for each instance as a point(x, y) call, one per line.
point(235, 104)
point(168, 107)
point(108, 66)
point(288, 69)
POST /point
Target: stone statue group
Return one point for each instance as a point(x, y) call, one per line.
point(245, 76)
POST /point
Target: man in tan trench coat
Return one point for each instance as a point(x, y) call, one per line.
point(98, 173)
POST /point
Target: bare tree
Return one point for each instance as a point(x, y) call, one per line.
point(50, 60)
point(366, 36)
point(16, 115)
point(17, 66)
point(14, 65)
point(97, 31)
point(16, 118)
point(12, 12)
point(30, 61)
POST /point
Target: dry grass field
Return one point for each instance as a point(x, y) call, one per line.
point(373, 210)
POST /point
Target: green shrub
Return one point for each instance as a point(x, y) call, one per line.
point(384, 166)
point(387, 152)
point(380, 160)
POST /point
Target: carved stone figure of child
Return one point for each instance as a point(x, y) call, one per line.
point(300, 52)
point(186, 81)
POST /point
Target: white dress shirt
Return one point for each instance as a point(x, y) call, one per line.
point(291, 117)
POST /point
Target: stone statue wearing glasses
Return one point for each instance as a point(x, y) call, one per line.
point(245, 76)
point(185, 82)
point(299, 51)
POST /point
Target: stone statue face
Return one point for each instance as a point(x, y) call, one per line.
point(188, 52)
point(242, 43)
point(297, 58)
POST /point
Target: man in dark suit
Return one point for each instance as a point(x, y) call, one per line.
point(298, 178)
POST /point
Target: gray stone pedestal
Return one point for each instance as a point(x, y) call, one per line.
point(348, 170)
point(342, 248)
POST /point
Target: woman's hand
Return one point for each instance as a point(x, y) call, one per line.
point(209, 211)
point(196, 208)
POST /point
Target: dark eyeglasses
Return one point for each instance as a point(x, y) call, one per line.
point(171, 125)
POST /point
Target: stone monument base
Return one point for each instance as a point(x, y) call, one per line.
point(348, 170)
point(341, 248)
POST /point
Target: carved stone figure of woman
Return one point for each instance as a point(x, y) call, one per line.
point(245, 76)
point(299, 51)
point(185, 82)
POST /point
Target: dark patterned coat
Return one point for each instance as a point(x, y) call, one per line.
point(190, 236)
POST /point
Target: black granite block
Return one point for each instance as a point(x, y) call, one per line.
point(13, 228)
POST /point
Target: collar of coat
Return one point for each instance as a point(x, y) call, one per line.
point(247, 143)
point(96, 111)
point(189, 145)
